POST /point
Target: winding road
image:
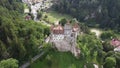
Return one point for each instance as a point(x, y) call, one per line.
point(33, 59)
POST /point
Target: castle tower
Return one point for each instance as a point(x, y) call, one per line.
point(67, 29)
point(76, 29)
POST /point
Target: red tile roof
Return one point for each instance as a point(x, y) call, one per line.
point(57, 29)
point(60, 30)
point(115, 42)
point(75, 27)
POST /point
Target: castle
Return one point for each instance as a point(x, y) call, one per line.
point(66, 32)
point(64, 37)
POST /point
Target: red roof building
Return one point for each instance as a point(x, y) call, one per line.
point(57, 29)
point(67, 32)
point(115, 42)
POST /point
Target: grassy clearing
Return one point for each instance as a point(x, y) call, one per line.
point(53, 16)
point(25, 6)
point(56, 59)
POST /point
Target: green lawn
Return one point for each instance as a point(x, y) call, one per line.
point(55, 59)
point(53, 16)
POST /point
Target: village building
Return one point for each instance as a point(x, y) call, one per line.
point(26, 11)
point(31, 1)
point(117, 49)
point(35, 6)
point(116, 44)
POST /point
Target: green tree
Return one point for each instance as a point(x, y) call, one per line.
point(18, 36)
point(117, 56)
point(9, 63)
point(103, 13)
point(63, 21)
point(39, 15)
point(107, 47)
point(107, 35)
point(47, 31)
point(89, 48)
point(110, 62)
point(84, 28)
point(3, 51)
point(100, 58)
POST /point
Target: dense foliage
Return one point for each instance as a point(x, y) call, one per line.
point(56, 59)
point(90, 49)
point(103, 13)
point(9, 63)
point(106, 35)
point(12, 5)
point(19, 39)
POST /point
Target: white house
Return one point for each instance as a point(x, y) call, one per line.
point(117, 49)
point(34, 12)
point(26, 10)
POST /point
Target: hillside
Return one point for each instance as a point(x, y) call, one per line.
point(19, 39)
point(97, 13)
point(59, 34)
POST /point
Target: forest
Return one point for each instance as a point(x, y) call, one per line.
point(98, 13)
point(20, 39)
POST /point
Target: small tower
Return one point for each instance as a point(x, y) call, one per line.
point(67, 29)
point(76, 29)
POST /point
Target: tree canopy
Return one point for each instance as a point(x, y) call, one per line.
point(105, 13)
point(19, 39)
point(9, 63)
